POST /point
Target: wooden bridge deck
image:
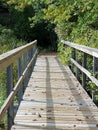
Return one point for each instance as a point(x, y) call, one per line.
point(55, 100)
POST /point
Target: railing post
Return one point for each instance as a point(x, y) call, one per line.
point(73, 53)
point(95, 66)
point(32, 52)
point(9, 84)
point(84, 65)
point(73, 56)
point(24, 65)
point(29, 59)
point(95, 71)
point(20, 91)
point(25, 60)
point(77, 70)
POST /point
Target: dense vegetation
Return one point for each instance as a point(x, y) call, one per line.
point(72, 20)
point(49, 22)
point(76, 21)
point(28, 23)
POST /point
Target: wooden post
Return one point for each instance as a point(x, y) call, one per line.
point(20, 91)
point(73, 53)
point(33, 51)
point(9, 84)
point(24, 65)
point(77, 70)
point(29, 59)
point(25, 60)
point(84, 62)
point(95, 66)
point(95, 71)
point(73, 56)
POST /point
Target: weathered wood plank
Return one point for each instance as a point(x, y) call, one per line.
point(85, 49)
point(57, 128)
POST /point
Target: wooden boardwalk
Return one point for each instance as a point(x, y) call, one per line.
point(54, 100)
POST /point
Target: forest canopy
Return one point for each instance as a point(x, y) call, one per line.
point(74, 20)
point(49, 20)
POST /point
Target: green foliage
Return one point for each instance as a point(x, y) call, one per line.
point(28, 23)
point(8, 40)
point(76, 20)
point(93, 89)
point(64, 53)
point(92, 86)
point(2, 87)
point(20, 23)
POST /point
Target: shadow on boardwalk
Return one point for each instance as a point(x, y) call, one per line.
point(84, 103)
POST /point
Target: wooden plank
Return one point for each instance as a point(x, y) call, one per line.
point(55, 100)
point(57, 128)
point(58, 110)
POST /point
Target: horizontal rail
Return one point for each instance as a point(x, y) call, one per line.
point(85, 49)
point(15, 89)
point(9, 57)
point(92, 78)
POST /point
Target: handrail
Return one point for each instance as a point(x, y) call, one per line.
point(85, 71)
point(14, 54)
point(85, 49)
point(83, 68)
point(29, 53)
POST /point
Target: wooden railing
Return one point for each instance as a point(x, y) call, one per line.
point(86, 52)
point(26, 56)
